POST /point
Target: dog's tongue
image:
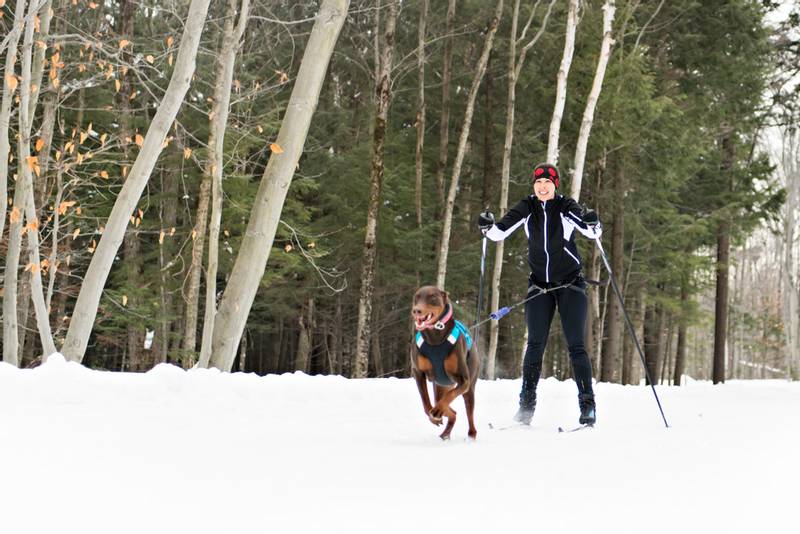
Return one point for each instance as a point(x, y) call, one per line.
point(422, 323)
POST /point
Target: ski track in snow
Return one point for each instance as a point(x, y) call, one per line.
point(86, 451)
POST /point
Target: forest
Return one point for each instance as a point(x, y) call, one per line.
point(261, 185)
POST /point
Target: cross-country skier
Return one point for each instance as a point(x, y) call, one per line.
point(550, 221)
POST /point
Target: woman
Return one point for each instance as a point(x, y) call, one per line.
point(550, 221)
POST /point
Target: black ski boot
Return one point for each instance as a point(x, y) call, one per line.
point(586, 402)
point(527, 405)
point(525, 414)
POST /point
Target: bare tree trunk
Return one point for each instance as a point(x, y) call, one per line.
point(613, 345)
point(377, 355)
point(651, 341)
point(135, 332)
point(627, 344)
point(305, 322)
point(274, 359)
point(10, 82)
point(25, 209)
point(257, 242)
point(54, 263)
point(444, 121)
point(723, 262)
point(89, 298)
point(597, 85)
point(790, 161)
point(37, 69)
point(46, 132)
point(561, 82)
point(166, 251)
point(441, 271)
point(192, 295)
point(383, 95)
point(243, 353)
point(222, 98)
point(514, 68)
point(721, 301)
point(420, 123)
point(680, 352)
point(336, 344)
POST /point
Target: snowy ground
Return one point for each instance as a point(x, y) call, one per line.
point(202, 452)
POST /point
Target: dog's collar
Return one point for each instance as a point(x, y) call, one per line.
point(441, 322)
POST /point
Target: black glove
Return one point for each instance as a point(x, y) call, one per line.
point(485, 220)
point(590, 217)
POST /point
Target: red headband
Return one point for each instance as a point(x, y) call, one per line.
point(553, 174)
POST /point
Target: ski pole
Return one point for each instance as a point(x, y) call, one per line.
point(480, 284)
point(631, 330)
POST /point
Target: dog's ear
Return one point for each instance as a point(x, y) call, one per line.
point(445, 297)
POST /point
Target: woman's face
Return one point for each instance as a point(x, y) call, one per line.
point(544, 189)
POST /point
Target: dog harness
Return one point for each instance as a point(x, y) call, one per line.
point(437, 353)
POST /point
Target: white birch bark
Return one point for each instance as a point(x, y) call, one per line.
point(34, 262)
point(222, 100)
point(42, 10)
point(591, 103)
point(89, 297)
point(514, 69)
point(790, 163)
point(37, 70)
point(26, 212)
point(447, 224)
point(260, 234)
point(5, 107)
point(561, 82)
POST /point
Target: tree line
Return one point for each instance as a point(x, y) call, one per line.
point(261, 185)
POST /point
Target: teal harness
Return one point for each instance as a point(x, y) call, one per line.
point(437, 353)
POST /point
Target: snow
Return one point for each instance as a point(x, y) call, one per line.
point(166, 451)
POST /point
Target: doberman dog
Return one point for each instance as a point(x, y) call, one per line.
point(444, 354)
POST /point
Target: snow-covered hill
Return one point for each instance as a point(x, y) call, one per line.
point(196, 452)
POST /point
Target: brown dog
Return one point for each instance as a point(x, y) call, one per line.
point(443, 353)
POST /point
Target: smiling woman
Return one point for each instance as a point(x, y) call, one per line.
point(550, 222)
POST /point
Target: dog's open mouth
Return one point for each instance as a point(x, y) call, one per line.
point(420, 322)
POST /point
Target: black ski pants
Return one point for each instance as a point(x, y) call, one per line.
point(572, 305)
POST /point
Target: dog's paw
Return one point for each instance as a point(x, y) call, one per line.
point(434, 419)
point(442, 410)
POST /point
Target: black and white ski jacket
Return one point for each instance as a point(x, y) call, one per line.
point(550, 227)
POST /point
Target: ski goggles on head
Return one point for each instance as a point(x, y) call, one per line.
point(547, 172)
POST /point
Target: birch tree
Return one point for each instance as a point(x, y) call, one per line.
point(515, 64)
point(10, 83)
point(24, 210)
point(89, 297)
point(383, 99)
point(441, 270)
point(561, 82)
point(790, 165)
point(212, 180)
point(251, 260)
point(609, 8)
